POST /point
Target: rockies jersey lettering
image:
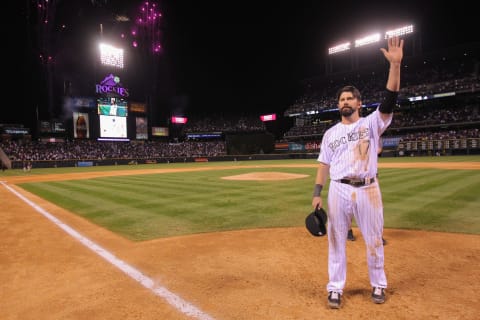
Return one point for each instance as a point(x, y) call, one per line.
point(351, 149)
point(351, 136)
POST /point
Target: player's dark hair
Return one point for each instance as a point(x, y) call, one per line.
point(352, 89)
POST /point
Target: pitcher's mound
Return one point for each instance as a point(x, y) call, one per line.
point(266, 176)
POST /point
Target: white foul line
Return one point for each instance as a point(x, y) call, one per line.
point(176, 301)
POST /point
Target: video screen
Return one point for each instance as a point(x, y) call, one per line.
point(112, 107)
point(113, 127)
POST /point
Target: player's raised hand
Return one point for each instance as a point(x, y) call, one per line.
point(394, 54)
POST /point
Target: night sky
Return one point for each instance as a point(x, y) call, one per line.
point(226, 56)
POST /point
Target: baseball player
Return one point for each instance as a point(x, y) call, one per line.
point(348, 155)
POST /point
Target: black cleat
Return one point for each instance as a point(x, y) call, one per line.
point(378, 295)
point(334, 299)
point(350, 235)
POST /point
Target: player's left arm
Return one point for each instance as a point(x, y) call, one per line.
point(394, 55)
point(320, 181)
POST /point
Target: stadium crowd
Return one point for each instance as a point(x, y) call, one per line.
point(431, 75)
point(431, 114)
point(101, 150)
point(438, 90)
point(224, 123)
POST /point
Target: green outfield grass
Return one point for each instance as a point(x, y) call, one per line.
point(142, 207)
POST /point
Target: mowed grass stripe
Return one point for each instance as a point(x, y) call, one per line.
point(146, 206)
point(404, 184)
point(85, 198)
point(135, 219)
point(205, 203)
point(412, 183)
point(207, 181)
point(432, 200)
point(441, 207)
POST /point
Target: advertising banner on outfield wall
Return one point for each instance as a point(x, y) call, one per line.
point(289, 146)
point(293, 146)
point(281, 146)
point(312, 146)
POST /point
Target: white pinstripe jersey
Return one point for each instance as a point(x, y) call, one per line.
point(351, 149)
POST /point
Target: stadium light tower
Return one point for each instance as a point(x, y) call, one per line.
point(399, 31)
point(372, 38)
point(339, 48)
point(111, 56)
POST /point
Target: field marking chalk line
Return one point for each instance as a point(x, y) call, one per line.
point(173, 299)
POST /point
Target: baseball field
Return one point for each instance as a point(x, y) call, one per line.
point(226, 240)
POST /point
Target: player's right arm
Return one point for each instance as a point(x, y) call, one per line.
point(320, 181)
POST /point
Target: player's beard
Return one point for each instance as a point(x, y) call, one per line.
point(347, 111)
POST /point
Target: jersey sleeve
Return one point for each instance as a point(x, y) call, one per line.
point(325, 155)
point(380, 124)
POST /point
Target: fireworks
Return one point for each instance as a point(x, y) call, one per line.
point(45, 18)
point(146, 28)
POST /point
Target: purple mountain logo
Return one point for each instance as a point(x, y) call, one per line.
point(111, 84)
point(110, 80)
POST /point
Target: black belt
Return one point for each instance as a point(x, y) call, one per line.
point(358, 182)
